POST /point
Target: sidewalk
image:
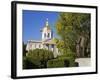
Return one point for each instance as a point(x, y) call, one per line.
point(84, 61)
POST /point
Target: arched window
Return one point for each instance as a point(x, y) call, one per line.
point(48, 35)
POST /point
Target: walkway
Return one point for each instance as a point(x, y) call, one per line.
point(84, 61)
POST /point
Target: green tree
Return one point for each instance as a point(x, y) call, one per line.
point(74, 30)
point(24, 49)
point(39, 57)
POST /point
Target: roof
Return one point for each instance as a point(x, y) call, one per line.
point(34, 41)
point(50, 41)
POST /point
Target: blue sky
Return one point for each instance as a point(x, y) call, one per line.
point(34, 21)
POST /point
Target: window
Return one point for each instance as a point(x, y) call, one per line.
point(39, 46)
point(44, 35)
point(52, 46)
point(48, 35)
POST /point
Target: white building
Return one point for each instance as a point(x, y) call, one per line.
point(47, 41)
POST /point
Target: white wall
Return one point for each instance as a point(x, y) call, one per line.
point(5, 40)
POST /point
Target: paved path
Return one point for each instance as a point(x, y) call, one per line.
point(84, 61)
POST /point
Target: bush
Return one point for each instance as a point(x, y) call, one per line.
point(70, 56)
point(59, 62)
point(69, 53)
point(40, 54)
point(62, 61)
point(55, 63)
point(38, 58)
point(27, 64)
point(70, 59)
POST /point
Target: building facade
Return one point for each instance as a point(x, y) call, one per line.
point(47, 41)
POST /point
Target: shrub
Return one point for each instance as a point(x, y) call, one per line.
point(59, 62)
point(27, 64)
point(70, 59)
point(62, 61)
point(40, 54)
point(55, 63)
point(70, 56)
point(39, 57)
point(69, 53)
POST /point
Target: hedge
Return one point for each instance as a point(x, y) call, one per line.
point(27, 64)
point(71, 61)
point(61, 62)
point(55, 63)
point(37, 58)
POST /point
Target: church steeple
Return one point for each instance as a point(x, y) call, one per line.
point(46, 32)
point(47, 24)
